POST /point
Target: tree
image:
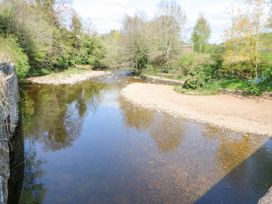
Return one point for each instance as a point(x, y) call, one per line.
point(270, 18)
point(75, 23)
point(168, 26)
point(135, 43)
point(29, 25)
point(113, 45)
point(243, 38)
point(88, 27)
point(201, 35)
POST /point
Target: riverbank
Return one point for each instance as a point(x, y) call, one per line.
point(161, 80)
point(70, 76)
point(238, 113)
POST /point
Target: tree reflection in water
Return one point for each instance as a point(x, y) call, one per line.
point(165, 130)
point(33, 191)
point(232, 148)
point(16, 155)
point(136, 117)
point(53, 115)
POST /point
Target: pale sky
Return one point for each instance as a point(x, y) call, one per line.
point(108, 14)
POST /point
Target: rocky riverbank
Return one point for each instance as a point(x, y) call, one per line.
point(238, 113)
point(68, 77)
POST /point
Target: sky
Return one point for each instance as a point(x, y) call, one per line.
point(107, 15)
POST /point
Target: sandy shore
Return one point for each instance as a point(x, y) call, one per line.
point(67, 77)
point(243, 114)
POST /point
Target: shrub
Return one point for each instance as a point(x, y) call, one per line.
point(10, 51)
point(188, 62)
point(199, 77)
point(267, 74)
point(241, 70)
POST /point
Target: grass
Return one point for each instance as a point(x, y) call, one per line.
point(172, 74)
point(230, 85)
point(200, 91)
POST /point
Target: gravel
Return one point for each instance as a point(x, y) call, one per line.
point(58, 79)
point(238, 113)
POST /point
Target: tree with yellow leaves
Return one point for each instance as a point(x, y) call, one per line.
point(243, 38)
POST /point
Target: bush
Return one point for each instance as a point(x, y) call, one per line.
point(241, 70)
point(188, 62)
point(267, 74)
point(10, 51)
point(199, 77)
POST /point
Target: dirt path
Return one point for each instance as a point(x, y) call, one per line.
point(243, 114)
point(67, 77)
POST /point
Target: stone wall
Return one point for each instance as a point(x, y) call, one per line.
point(8, 122)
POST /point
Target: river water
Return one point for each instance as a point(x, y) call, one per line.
point(84, 143)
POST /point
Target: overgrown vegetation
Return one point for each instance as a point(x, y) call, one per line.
point(44, 36)
point(11, 51)
point(35, 38)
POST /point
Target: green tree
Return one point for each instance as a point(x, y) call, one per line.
point(91, 51)
point(243, 39)
point(201, 35)
point(10, 51)
point(29, 25)
point(136, 46)
point(113, 48)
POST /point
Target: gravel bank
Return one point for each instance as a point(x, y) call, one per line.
point(243, 114)
point(67, 78)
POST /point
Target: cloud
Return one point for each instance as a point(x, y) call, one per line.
point(108, 14)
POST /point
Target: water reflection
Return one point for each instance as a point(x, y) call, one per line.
point(16, 166)
point(53, 115)
point(136, 117)
point(33, 191)
point(125, 154)
point(166, 130)
point(232, 147)
point(208, 155)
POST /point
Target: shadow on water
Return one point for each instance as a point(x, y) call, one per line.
point(245, 183)
point(17, 166)
point(25, 170)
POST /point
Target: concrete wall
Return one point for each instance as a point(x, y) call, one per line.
point(8, 122)
point(267, 199)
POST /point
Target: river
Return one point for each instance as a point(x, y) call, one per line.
point(84, 143)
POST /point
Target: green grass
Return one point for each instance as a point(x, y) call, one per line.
point(200, 91)
point(231, 85)
point(150, 71)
